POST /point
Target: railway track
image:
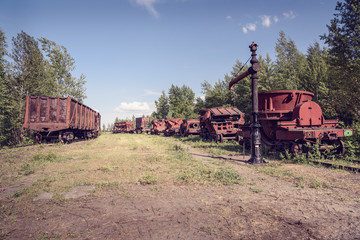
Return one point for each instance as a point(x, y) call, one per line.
point(44, 143)
point(339, 166)
point(27, 145)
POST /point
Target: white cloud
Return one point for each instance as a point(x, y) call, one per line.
point(228, 17)
point(289, 15)
point(265, 20)
point(127, 110)
point(149, 5)
point(249, 27)
point(132, 107)
point(276, 19)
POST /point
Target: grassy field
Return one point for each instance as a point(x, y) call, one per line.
point(156, 187)
point(110, 161)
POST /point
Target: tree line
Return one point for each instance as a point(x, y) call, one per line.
point(38, 67)
point(332, 73)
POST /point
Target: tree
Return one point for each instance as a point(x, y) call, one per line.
point(8, 113)
point(29, 67)
point(289, 65)
point(29, 76)
point(162, 106)
point(267, 79)
point(316, 78)
point(199, 105)
point(343, 42)
point(60, 65)
point(181, 102)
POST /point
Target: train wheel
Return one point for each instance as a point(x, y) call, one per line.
point(38, 138)
point(220, 138)
point(182, 132)
point(60, 138)
point(296, 148)
point(340, 147)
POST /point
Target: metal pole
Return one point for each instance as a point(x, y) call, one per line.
point(256, 157)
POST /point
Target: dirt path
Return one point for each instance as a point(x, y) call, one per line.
point(268, 205)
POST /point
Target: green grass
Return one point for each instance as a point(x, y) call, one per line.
point(111, 161)
point(216, 149)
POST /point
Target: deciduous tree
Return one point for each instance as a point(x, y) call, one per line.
point(60, 65)
point(181, 102)
point(162, 106)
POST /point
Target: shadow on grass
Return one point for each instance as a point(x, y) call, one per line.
point(227, 158)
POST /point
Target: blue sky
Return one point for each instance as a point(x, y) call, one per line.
point(131, 50)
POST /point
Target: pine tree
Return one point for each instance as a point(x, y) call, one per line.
point(289, 65)
point(316, 79)
point(7, 113)
point(343, 41)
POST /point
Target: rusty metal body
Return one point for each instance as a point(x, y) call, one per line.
point(61, 118)
point(159, 126)
point(220, 123)
point(173, 126)
point(190, 127)
point(290, 120)
point(123, 127)
point(142, 125)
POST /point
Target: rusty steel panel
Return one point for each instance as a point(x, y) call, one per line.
point(173, 126)
point(142, 125)
point(190, 127)
point(221, 111)
point(282, 99)
point(159, 126)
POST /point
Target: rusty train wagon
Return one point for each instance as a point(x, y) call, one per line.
point(291, 120)
point(173, 126)
point(190, 127)
point(60, 118)
point(123, 127)
point(220, 123)
point(159, 126)
point(142, 125)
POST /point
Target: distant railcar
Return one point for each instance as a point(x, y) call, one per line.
point(60, 118)
point(124, 127)
point(173, 126)
point(190, 127)
point(159, 126)
point(142, 125)
point(220, 123)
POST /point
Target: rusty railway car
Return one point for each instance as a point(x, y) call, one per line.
point(220, 123)
point(190, 127)
point(159, 126)
point(60, 118)
point(291, 120)
point(124, 127)
point(173, 126)
point(142, 125)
